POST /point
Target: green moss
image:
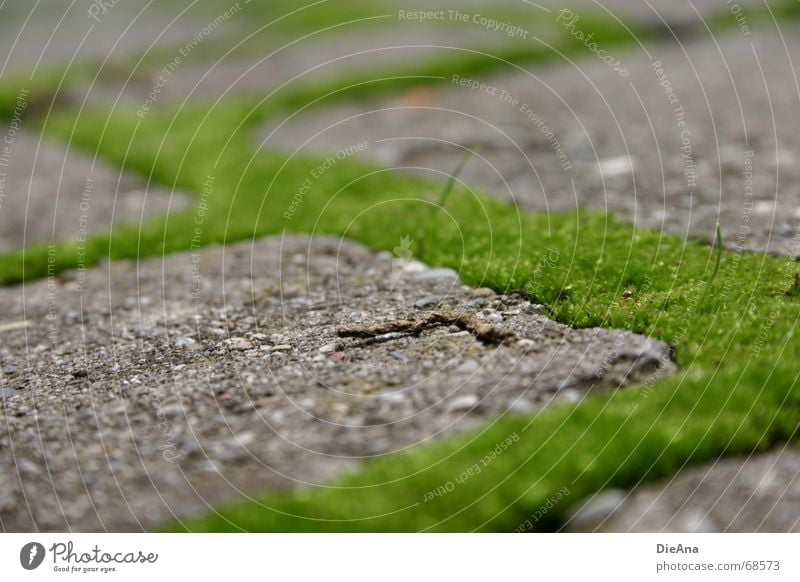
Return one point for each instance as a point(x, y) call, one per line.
point(38, 91)
point(737, 391)
point(737, 346)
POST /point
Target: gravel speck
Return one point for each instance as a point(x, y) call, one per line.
point(468, 367)
point(184, 342)
point(526, 344)
point(280, 348)
point(448, 276)
point(429, 301)
point(463, 403)
point(238, 343)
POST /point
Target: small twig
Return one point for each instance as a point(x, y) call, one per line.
point(719, 255)
point(448, 187)
point(484, 332)
point(713, 276)
point(444, 195)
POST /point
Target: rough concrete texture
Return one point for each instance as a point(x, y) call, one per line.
point(676, 15)
point(37, 35)
point(322, 56)
point(211, 49)
point(693, 135)
point(231, 63)
point(49, 193)
point(201, 376)
point(759, 493)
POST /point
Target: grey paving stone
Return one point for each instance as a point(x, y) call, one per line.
point(37, 35)
point(236, 59)
point(677, 14)
point(52, 193)
point(759, 493)
point(195, 378)
point(695, 134)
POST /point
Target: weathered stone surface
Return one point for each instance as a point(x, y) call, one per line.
point(760, 493)
point(694, 135)
point(39, 35)
point(50, 193)
point(152, 396)
point(220, 50)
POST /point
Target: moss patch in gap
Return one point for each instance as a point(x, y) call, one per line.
point(39, 91)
